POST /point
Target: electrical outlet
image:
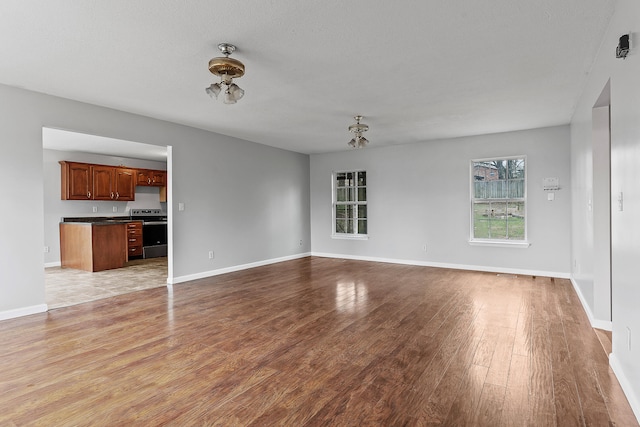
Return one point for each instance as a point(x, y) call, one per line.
point(300, 242)
point(115, 209)
point(180, 206)
point(95, 209)
point(46, 249)
point(211, 255)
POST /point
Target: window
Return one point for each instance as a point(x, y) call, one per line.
point(350, 204)
point(498, 200)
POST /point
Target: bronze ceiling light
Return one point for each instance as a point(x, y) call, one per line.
point(227, 69)
point(358, 141)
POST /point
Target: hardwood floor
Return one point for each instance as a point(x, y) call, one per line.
point(316, 342)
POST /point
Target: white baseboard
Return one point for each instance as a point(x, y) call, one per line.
point(595, 323)
point(489, 269)
point(211, 273)
point(23, 311)
point(633, 399)
point(52, 264)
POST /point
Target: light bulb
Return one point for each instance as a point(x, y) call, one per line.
point(236, 92)
point(213, 90)
point(228, 97)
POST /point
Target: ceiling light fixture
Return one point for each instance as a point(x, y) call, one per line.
point(228, 69)
point(358, 141)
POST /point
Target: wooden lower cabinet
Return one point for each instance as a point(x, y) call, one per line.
point(93, 246)
point(134, 239)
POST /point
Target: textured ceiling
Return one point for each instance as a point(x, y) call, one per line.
point(417, 70)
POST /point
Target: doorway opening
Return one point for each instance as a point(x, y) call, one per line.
point(69, 286)
point(601, 157)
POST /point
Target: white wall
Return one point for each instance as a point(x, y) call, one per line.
point(247, 202)
point(624, 76)
point(419, 194)
point(55, 208)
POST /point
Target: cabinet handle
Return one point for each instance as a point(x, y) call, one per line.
point(112, 194)
point(88, 194)
point(148, 180)
point(132, 240)
point(117, 195)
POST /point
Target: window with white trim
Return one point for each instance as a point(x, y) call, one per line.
point(498, 200)
point(350, 204)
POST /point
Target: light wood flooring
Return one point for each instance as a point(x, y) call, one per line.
point(68, 286)
point(315, 342)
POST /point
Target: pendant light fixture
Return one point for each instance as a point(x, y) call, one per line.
point(227, 69)
point(358, 141)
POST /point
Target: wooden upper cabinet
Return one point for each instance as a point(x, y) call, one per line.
point(76, 180)
point(125, 184)
point(82, 181)
point(142, 177)
point(159, 178)
point(103, 183)
point(113, 183)
point(147, 177)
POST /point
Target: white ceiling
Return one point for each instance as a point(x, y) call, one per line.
point(417, 70)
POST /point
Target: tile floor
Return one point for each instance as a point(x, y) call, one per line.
point(66, 286)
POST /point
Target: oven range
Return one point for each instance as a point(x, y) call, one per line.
point(154, 231)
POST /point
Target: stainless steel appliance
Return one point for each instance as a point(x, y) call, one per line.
point(154, 231)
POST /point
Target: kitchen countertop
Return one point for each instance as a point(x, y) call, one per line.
point(98, 220)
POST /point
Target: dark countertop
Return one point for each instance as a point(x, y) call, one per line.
point(97, 220)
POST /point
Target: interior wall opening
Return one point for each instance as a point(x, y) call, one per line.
point(69, 286)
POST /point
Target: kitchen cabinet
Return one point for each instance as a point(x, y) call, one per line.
point(77, 181)
point(93, 246)
point(154, 178)
point(134, 238)
point(82, 181)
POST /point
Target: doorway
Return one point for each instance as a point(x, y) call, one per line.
point(601, 157)
point(65, 287)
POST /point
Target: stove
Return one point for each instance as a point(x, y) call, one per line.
point(154, 231)
point(147, 215)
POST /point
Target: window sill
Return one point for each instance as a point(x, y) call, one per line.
point(500, 243)
point(350, 236)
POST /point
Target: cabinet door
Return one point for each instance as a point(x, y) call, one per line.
point(125, 184)
point(143, 177)
point(158, 178)
point(76, 181)
point(103, 183)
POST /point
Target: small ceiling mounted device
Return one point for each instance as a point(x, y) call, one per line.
point(227, 69)
point(623, 47)
point(358, 141)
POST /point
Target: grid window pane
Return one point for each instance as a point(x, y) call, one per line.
point(345, 194)
point(362, 179)
point(350, 200)
point(344, 211)
point(498, 199)
point(362, 211)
